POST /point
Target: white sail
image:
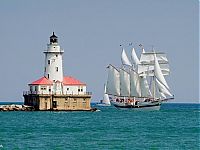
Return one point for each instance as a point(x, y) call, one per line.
point(143, 51)
point(145, 91)
point(158, 73)
point(163, 89)
point(135, 89)
point(160, 79)
point(134, 57)
point(124, 83)
point(113, 82)
point(148, 69)
point(163, 95)
point(148, 57)
point(147, 63)
point(159, 94)
point(106, 99)
point(104, 88)
point(139, 85)
point(125, 60)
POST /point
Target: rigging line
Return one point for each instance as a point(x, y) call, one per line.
point(135, 71)
point(113, 67)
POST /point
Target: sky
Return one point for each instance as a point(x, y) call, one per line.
point(91, 32)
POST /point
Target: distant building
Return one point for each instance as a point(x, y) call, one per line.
point(54, 91)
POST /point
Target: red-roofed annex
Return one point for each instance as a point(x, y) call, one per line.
point(42, 81)
point(67, 80)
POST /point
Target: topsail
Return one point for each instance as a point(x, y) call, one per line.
point(147, 63)
point(125, 60)
point(134, 57)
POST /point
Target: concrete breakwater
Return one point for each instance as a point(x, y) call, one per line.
point(14, 107)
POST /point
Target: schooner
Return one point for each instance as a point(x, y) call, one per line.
point(140, 84)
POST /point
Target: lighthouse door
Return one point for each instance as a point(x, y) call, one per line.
point(45, 105)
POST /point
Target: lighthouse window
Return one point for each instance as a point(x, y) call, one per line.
point(49, 62)
point(31, 88)
point(57, 69)
point(43, 88)
point(48, 76)
point(80, 89)
point(56, 55)
point(36, 88)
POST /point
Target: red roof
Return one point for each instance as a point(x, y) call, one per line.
point(42, 81)
point(68, 80)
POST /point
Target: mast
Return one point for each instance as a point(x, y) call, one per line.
point(135, 79)
point(154, 81)
point(145, 90)
point(124, 83)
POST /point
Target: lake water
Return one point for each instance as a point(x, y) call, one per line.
point(175, 126)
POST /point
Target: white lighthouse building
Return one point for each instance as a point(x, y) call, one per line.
point(53, 60)
point(53, 69)
point(54, 91)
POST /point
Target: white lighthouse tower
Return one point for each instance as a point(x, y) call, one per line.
point(53, 60)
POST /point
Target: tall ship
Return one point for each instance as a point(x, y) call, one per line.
point(140, 83)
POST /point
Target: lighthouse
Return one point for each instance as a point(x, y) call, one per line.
point(53, 69)
point(54, 91)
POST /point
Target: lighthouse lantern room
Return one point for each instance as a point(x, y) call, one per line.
point(54, 91)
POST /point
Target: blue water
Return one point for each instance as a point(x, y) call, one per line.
point(175, 126)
